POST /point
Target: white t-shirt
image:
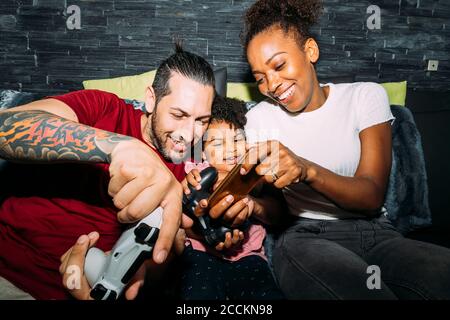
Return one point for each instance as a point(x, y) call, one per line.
point(327, 136)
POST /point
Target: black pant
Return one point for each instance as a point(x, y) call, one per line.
point(316, 259)
point(206, 277)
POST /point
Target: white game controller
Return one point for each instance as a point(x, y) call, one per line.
point(109, 274)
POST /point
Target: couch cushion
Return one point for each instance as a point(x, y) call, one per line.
point(244, 91)
point(221, 78)
point(128, 87)
point(396, 92)
point(249, 91)
point(133, 87)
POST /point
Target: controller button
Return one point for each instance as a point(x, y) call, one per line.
point(98, 292)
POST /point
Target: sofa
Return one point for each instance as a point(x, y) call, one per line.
point(431, 112)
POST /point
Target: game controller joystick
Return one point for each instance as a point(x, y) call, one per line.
point(213, 230)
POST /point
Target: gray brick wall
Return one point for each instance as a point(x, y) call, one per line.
point(117, 37)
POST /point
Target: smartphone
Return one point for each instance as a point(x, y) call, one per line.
point(235, 184)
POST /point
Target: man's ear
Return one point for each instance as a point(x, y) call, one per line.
point(312, 50)
point(203, 156)
point(150, 99)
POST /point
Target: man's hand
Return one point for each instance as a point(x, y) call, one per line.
point(73, 260)
point(72, 270)
point(72, 267)
point(140, 182)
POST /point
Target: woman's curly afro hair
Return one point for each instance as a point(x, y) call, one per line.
point(296, 15)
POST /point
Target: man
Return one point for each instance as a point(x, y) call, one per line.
point(118, 164)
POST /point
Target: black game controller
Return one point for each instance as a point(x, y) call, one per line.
point(213, 230)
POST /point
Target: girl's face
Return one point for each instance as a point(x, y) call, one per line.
point(224, 145)
point(283, 71)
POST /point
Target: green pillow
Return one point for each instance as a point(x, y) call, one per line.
point(133, 88)
point(129, 87)
point(244, 91)
point(396, 92)
point(249, 92)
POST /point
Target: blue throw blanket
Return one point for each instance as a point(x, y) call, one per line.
point(13, 98)
point(407, 194)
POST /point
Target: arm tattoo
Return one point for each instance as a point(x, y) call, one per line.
point(41, 136)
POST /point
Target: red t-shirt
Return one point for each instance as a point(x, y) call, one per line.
point(51, 205)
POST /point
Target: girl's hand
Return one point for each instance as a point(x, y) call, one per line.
point(192, 178)
point(234, 240)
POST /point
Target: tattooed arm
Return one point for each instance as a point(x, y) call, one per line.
point(48, 130)
point(37, 135)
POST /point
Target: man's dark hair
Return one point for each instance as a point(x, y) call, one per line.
point(290, 15)
point(229, 110)
point(185, 63)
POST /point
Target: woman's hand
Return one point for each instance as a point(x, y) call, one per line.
point(278, 164)
point(233, 214)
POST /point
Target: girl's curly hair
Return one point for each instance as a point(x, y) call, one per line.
point(229, 110)
point(290, 15)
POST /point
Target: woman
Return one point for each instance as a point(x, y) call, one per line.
point(331, 154)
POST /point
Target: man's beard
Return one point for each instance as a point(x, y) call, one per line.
point(158, 140)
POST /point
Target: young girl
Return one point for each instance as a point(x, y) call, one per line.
point(236, 268)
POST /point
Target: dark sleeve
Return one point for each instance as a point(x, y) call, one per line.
point(90, 105)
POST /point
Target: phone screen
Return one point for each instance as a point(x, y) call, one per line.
point(235, 184)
